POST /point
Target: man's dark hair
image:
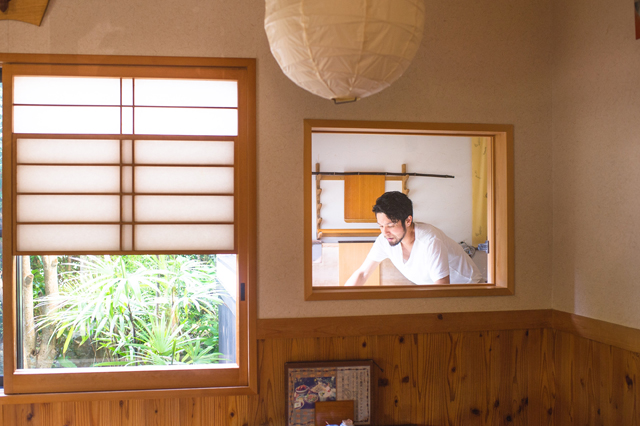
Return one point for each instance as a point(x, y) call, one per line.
point(397, 206)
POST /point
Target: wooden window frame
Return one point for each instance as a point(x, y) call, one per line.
point(500, 210)
point(238, 378)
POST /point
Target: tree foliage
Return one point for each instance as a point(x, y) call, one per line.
point(132, 310)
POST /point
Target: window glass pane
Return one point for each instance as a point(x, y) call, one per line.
point(68, 237)
point(184, 152)
point(68, 179)
point(71, 120)
point(127, 179)
point(127, 311)
point(176, 92)
point(127, 91)
point(184, 237)
point(127, 120)
point(184, 180)
point(179, 208)
point(68, 208)
point(127, 237)
point(127, 208)
point(34, 90)
point(66, 151)
point(127, 151)
point(186, 121)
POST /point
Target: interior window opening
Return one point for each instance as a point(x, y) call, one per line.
point(403, 210)
point(444, 180)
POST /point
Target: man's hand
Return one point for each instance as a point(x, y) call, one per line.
point(360, 276)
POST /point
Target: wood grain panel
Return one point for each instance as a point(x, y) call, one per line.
point(597, 384)
point(397, 324)
point(349, 232)
point(190, 410)
point(470, 378)
point(601, 331)
point(541, 377)
point(430, 363)
point(350, 258)
point(333, 412)
point(564, 362)
point(360, 194)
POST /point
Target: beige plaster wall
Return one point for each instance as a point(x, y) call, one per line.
point(480, 61)
point(596, 152)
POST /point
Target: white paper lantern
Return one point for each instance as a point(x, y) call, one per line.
point(344, 49)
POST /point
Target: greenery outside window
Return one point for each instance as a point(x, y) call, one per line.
point(131, 230)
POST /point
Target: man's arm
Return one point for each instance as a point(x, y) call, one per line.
point(438, 261)
point(444, 280)
point(360, 276)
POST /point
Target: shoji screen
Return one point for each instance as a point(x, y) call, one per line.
point(109, 164)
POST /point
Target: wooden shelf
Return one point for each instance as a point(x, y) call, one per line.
point(349, 232)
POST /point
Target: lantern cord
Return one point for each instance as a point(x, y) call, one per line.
point(382, 174)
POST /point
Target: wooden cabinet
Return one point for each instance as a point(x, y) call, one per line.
point(350, 257)
point(360, 195)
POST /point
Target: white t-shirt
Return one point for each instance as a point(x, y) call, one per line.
point(433, 257)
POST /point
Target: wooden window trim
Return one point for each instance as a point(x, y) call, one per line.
point(500, 214)
point(240, 378)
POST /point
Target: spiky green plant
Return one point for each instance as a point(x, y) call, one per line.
point(137, 310)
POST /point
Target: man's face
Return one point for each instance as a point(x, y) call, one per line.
point(394, 232)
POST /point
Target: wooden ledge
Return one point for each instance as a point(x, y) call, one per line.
point(601, 331)
point(620, 336)
point(402, 324)
point(39, 398)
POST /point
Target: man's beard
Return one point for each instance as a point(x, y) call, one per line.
point(400, 240)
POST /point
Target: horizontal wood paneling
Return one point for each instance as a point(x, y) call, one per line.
point(470, 378)
point(596, 383)
point(601, 331)
point(398, 324)
point(442, 375)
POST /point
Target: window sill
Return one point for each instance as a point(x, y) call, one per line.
point(402, 292)
point(116, 395)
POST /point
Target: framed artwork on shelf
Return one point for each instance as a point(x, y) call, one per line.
point(309, 382)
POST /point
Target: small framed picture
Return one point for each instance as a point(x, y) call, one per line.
point(309, 382)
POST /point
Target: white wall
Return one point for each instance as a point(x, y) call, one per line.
point(442, 202)
point(596, 152)
point(481, 61)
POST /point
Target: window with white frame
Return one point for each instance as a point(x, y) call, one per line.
point(131, 230)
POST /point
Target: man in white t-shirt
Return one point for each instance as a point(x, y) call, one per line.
point(422, 252)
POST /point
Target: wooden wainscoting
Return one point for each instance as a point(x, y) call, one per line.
point(596, 383)
point(597, 372)
point(432, 371)
point(470, 378)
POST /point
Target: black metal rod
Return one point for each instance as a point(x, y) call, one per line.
point(381, 174)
